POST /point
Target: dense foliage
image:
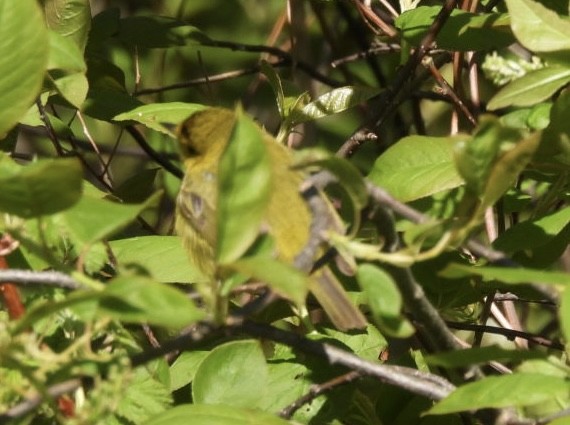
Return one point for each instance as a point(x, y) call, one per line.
point(440, 131)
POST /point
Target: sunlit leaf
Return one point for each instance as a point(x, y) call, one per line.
point(234, 374)
point(244, 189)
point(416, 167)
point(503, 391)
point(538, 28)
point(23, 59)
point(531, 88)
point(201, 414)
point(136, 299)
point(41, 188)
point(507, 274)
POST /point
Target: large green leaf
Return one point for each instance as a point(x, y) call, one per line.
point(67, 69)
point(462, 31)
point(155, 114)
point(199, 414)
point(537, 28)
point(234, 374)
point(136, 299)
point(92, 219)
point(244, 189)
point(492, 160)
point(162, 256)
point(533, 233)
point(70, 18)
point(184, 368)
point(107, 96)
point(384, 300)
point(23, 59)
point(41, 188)
point(532, 88)
point(519, 389)
point(555, 143)
point(507, 274)
point(416, 167)
point(478, 355)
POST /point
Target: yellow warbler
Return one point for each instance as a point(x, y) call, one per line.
point(203, 139)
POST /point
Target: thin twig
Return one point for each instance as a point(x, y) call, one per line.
point(33, 278)
point(317, 390)
point(159, 159)
point(377, 49)
point(49, 128)
point(511, 334)
point(388, 98)
point(448, 91)
point(355, 141)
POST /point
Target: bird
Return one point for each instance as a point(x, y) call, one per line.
point(203, 138)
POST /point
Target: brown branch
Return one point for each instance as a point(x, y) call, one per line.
point(355, 141)
point(448, 91)
point(286, 57)
point(387, 99)
point(425, 384)
point(368, 53)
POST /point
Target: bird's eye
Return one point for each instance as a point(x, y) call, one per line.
point(190, 151)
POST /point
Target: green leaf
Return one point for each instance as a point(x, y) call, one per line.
point(366, 345)
point(184, 368)
point(463, 31)
point(143, 397)
point(244, 189)
point(333, 102)
point(384, 300)
point(93, 219)
point(215, 415)
point(155, 114)
point(532, 234)
point(538, 28)
point(233, 374)
point(555, 143)
point(478, 355)
point(41, 188)
point(23, 59)
point(492, 160)
point(416, 167)
point(67, 69)
point(531, 88)
point(107, 96)
point(284, 279)
point(507, 275)
point(565, 315)
point(136, 299)
point(276, 85)
point(507, 167)
point(503, 391)
point(162, 256)
point(70, 18)
point(64, 54)
point(157, 32)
